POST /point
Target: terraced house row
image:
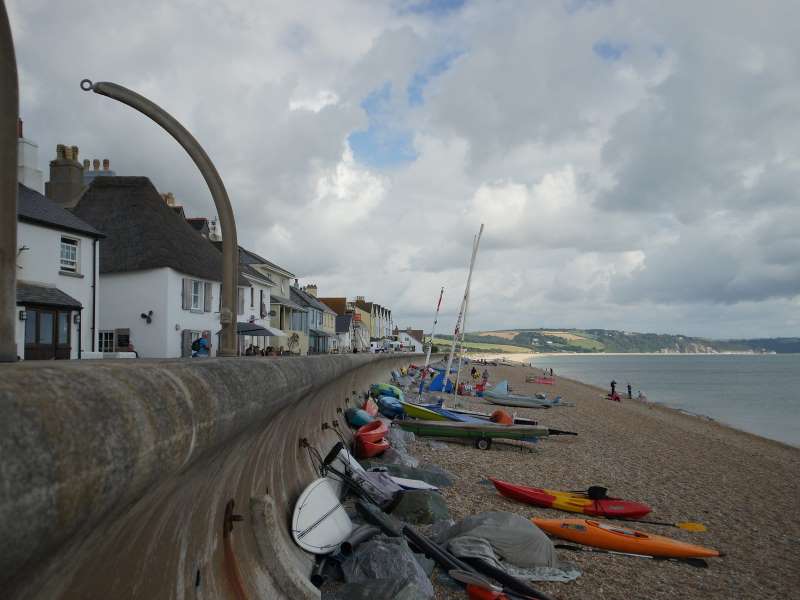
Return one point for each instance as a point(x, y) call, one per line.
point(111, 267)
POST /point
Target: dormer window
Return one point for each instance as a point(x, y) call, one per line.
point(69, 255)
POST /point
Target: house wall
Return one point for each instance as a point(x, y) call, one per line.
point(252, 313)
point(125, 296)
point(408, 340)
point(40, 264)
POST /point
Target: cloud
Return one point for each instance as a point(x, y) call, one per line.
point(634, 168)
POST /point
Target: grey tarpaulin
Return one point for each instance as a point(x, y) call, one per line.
point(386, 558)
point(509, 542)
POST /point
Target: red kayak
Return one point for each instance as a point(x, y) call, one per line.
point(370, 407)
point(572, 501)
point(374, 431)
point(365, 449)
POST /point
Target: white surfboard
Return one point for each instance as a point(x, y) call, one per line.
point(320, 523)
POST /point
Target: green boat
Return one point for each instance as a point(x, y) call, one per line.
point(481, 433)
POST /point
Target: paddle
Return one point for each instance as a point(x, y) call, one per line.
point(694, 562)
point(597, 492)
point(560, 432)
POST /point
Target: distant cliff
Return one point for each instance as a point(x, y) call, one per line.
point(608, 340)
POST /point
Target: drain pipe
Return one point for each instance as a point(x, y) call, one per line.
point(230, 246)
point(9, 113)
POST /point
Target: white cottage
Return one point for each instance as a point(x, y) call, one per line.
point(57, 280)
point(160, 279)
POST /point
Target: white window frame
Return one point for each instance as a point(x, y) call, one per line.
point(102, 340)
point(197, 294)
point(69, 264)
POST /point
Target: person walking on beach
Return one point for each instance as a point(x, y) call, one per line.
point(485, 376)
point(630, 392)
point(613, 385)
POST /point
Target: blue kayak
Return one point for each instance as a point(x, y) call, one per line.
point(357, 417)
point(390, 407)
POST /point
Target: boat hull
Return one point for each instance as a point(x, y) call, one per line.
point(599, 534)
point(453, 429)
point(571, 502)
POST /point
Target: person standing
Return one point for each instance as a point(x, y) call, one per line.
point(485, 376)
point(613, 385)
point(630, 392)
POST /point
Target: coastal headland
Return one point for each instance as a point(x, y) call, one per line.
point(744, 488)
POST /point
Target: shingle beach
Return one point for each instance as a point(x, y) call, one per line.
point(744, 488)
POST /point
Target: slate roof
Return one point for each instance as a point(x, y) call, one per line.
point(32, 207)
point(28, 293)
point(246, 260)
point(275, 299)
point(142, 232)
point(254, 258)
point(307, 299)
point(343, 323)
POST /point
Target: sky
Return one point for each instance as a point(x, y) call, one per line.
point(636, 164)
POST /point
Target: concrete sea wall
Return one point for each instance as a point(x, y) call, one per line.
point(115, 476)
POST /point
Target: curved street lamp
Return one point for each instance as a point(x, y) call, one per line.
point(9, 111)
point(230, 246)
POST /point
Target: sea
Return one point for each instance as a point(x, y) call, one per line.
point(757, 393)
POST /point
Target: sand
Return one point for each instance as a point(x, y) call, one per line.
point(746, 489)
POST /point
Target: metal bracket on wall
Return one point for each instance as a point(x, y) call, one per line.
point(230, 518)
point(325, 426)
point(339, 410)
point(304, 443)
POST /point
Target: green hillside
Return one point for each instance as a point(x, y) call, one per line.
point(607, 340)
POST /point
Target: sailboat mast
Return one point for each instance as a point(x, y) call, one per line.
point(460, 319)
point(430, 344)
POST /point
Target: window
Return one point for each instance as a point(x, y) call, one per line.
point(63, 328)
point(105, 341)
point(30, 326)
point(197, 295)
point(69, 255)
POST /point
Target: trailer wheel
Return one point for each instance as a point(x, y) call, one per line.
point(483, 443)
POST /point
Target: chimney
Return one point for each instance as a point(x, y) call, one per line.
point(106, 164)
point(169, 198)
point(359, 298)
point(66, 177)
point(96, 164)
point(296, 283)
point(86, 163)
point(19, 128)
point(311, 289)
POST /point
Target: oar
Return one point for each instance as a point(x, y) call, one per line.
point(687, 525)
point(560, 432)
point(694, 562)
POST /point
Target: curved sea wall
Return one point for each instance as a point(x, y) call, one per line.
point(165, 479)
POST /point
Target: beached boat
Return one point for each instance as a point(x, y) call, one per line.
point(357, 417)
point(372, 432)
point(500, 395)
point(386, 389)
point(370, 407)
point(421, 411)
point(571, 501)
point(620, 539)
point(482, 433)
point(390, 406)
point(366, 449)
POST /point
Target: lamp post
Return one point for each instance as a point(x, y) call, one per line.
point(230, 246)
point(9, 112)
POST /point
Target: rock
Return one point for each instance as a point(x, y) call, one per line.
point(421, 507)
point(390, 563)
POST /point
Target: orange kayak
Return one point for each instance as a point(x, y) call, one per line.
point(620, 539)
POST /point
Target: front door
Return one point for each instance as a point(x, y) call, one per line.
point(47, 334)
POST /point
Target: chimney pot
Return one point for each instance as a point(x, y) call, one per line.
point(60, 151)
point(74, 152)
point(85, 164)
point(96, 164)
point(106, 164)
